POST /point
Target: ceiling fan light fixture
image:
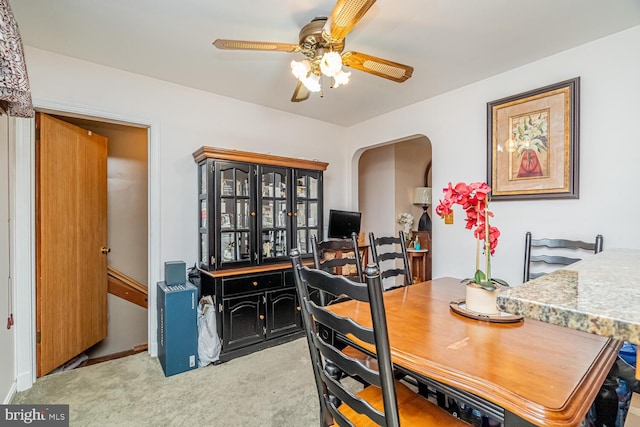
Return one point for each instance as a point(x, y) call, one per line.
point(341, 79)
point(312, 82)
point(331, 64)
point(322, 41)
point(303, 71)
point(300, 69)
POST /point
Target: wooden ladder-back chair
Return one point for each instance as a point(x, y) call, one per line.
point(339, 257)
point(555, 252)
point(391, 249)
point(386, 402)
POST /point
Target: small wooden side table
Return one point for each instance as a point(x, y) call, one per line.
point(418, 260)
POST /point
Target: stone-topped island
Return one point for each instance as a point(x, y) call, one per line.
point(600, 295)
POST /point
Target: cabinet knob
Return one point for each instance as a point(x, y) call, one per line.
point(105, 250)
point(254, 283)
point(288, 213)
point(298, 308)
point(253, 214)
point(262, 317)
point(295, 214)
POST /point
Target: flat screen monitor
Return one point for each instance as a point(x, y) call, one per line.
point(343, 223)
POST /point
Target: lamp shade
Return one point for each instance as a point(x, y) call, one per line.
point(422, 196)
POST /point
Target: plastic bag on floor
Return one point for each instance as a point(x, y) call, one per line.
point(208, 340)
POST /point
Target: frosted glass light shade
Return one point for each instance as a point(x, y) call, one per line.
point(331, 64)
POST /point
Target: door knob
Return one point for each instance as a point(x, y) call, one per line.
point(105, 250)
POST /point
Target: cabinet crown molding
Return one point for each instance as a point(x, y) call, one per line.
point(249, 157)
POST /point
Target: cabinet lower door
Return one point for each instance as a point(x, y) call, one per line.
point(243, 321)
point(283, 313)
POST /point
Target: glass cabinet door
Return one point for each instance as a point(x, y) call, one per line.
point(308, 208)
point(235, 212)
point(275, 213)
point(255, 208)
point(204, 226)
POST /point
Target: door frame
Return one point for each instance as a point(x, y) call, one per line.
point(24, 215)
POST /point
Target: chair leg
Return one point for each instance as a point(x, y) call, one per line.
point(326, 420)
point(606, 401)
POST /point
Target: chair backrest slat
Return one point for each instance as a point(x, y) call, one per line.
point(394, 272)
point(556, 252)
point(334, 322)
point(348, 365)
point(548, 259)
point(393, 249)
point(316, 318)
point(563, 243)
point(324, 256)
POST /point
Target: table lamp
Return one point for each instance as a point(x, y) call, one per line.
point(422, 196)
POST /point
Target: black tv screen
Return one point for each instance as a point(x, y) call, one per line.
point(343, 223)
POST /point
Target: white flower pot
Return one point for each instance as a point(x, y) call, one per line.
point(481, 300)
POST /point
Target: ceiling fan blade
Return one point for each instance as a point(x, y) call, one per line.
point(345, 15)
point(254, 45)
point(301, 93)
point(377, 66)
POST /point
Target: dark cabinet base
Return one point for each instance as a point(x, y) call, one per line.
point(225, 356)
point(255, 309)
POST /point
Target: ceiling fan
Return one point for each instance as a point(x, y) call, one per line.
point(322, 41)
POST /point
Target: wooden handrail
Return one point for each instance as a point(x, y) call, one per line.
point(127, 288)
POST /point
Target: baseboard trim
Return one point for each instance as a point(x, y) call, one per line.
point(135, 350)
point(25, 381)
point(12, 392)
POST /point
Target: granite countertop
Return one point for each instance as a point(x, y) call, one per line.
point(600, 295)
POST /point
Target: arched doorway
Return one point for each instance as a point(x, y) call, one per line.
point(387, 177)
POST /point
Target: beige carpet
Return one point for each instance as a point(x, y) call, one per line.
point(272, 387)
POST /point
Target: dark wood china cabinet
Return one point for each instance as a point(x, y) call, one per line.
point(253, 209)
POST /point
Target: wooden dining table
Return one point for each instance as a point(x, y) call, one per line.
point(523, 373)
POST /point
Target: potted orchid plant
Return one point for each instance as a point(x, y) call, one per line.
point(474, 199)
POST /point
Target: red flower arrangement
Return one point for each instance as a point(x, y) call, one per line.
point(474, 199)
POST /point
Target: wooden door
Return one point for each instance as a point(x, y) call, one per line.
point(71, 241)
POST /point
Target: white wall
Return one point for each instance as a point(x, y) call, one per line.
point(377, 184)
point(455, 123)
point(7, 337)
point(411, 160)
point(181, 120)
point(186, 119)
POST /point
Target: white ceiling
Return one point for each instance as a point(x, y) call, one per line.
point(450, 43)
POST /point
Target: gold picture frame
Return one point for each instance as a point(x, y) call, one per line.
point(533, 143)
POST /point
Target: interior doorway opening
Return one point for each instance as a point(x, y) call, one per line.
point(388, 176)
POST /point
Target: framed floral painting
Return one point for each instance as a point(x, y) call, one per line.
point(532, 143)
